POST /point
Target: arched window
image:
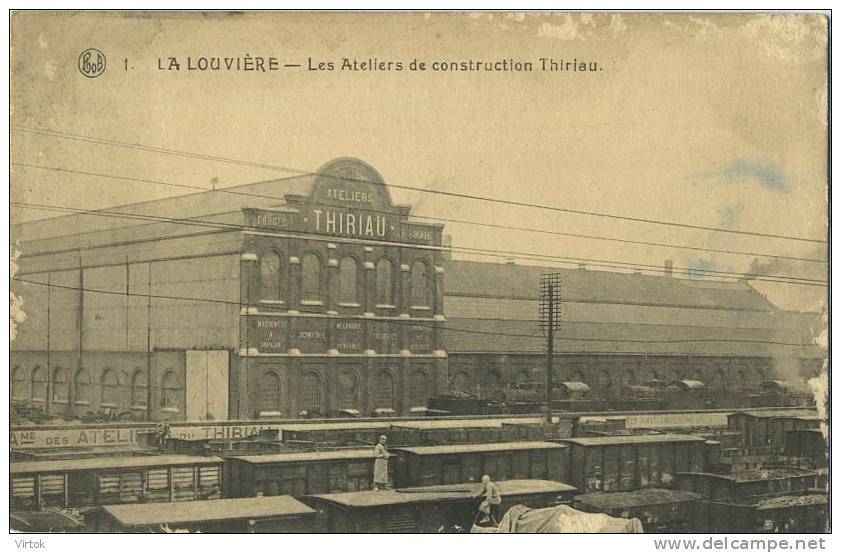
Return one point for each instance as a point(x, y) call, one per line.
point(676, 376)
point(419, 389)
point(460, 383)
point(83, 386)
point(269, 400)
point(170, 390)
point(490, 384)
point(39, 385)
point(348, 281)
point(604, 383)
point(741, 380)
point(630, 378)
point(654, 375)
point(19, 388)
point(719, 380)
point(578, 376)
point(522, 377)
point(138, 389)
point(270, 277)
point(385, 282)
point(311, 399)
point(61, 385)
point(348, 390)
point(110, 388)
point(384, 392)
point(697, 375)
point(311, 278)
point(420, 284)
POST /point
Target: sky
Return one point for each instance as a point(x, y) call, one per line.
point(703, 119)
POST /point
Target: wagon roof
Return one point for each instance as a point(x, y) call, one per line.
point(574, 386)
point(440, 493)
point(307, 456)
point(479, 448)
point(786, 501)
point(638, 498)
point(143, 514)
point(634, 439)
point(778, 414)
point(65, 465)
point(323, 426)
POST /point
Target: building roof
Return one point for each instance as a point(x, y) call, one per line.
point(633, 439)
point(66, 465)
point(638, 498)
point(455, 449)
point(491, 307)
point(756, 475)
point(213, 510)
point(453, 492)
point(497, 280)
point(307, 456)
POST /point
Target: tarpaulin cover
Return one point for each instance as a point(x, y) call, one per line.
point(564, 520)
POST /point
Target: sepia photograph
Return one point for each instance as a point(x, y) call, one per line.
point(426, 272)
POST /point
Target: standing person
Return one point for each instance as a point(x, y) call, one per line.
point(490, 506)
point(381, 465)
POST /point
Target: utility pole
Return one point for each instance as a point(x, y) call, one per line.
point(549, 312)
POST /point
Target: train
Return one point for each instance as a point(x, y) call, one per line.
point(317, 475)
point(530, 397)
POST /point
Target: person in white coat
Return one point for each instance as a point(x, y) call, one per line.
point(381, 456)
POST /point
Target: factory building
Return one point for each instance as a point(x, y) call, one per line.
point(315, 295)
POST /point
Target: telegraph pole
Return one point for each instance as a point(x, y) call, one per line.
point(550, 354)
point(549, 311)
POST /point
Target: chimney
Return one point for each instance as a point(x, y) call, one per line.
point(668, 267)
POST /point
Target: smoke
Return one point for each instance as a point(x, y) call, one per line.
point(16, 312)
point(820, 383)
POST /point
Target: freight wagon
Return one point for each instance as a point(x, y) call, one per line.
point(808, 447)
point(429, 509)
point(661, 511)
point(455, 464)
point(625, 463)
point(280, 514)
point(300, 473)
point(785, 514)
point(744, 484)
point(39, 485)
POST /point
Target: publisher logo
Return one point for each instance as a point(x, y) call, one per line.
point(92, 63)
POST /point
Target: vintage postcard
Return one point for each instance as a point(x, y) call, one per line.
point(420, 272)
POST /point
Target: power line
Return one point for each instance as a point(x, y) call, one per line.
point(447, 328)
point(428, 217)
point(785, 279)
point(182, 153)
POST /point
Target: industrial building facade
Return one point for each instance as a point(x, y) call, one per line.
point(312, 295)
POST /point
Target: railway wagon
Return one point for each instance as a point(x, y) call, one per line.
point(760, 427)
point(300, 473)
point(807, 446)
point(38, 485)
point(625, 463)
point(751, 483)
point(786, 514)
point(661, 511)
point(250, 515)
point(460, 463)
point(428, 509)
